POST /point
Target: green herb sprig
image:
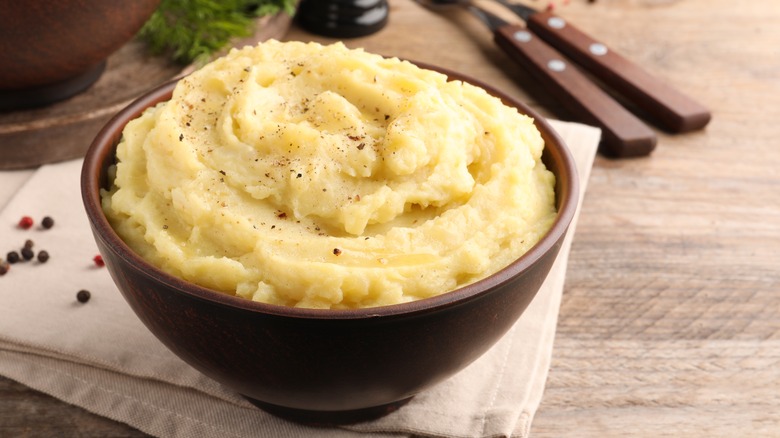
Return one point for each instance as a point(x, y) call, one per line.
point(191, 30)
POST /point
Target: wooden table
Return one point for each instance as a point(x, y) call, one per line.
point(670, 321)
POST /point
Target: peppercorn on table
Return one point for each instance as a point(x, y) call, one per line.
point(670, 319)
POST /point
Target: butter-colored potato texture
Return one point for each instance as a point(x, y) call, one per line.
point(311, 175)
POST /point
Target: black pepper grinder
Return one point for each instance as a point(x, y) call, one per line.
point(342, 18)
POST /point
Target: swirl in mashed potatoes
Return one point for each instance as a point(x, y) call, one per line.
point(319, 176)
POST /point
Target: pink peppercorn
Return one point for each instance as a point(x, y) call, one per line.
point(26, 222)
point(99, 261)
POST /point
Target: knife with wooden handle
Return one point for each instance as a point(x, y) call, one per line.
point(623, 134)
point(670, 108)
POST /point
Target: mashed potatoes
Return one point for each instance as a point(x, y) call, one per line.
point(318, 176)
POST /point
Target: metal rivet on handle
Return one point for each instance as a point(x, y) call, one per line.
point(598, 49)
point(556, 65)
point(522, 35)
point(556, 22)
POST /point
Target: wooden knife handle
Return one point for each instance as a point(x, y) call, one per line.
point(669, 107)
point(623, 134)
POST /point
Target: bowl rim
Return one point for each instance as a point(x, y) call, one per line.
point(103, 147)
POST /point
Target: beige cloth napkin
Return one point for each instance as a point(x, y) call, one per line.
point(100, 357)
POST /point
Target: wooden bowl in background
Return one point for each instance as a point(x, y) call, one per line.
point(55, 49)
point(63, 130)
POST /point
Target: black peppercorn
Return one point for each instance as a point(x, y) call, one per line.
point(43, 256)
point(47, 222)
point(4, 267)
point(12, 257)
point(28, 253)
point(29, 243)
point(83, 296)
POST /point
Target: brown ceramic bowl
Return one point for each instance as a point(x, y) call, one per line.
point(325, 366)
point(54, 49)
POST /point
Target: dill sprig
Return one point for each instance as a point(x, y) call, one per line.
point(191, 30)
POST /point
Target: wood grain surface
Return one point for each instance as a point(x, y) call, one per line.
point(670, 320)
